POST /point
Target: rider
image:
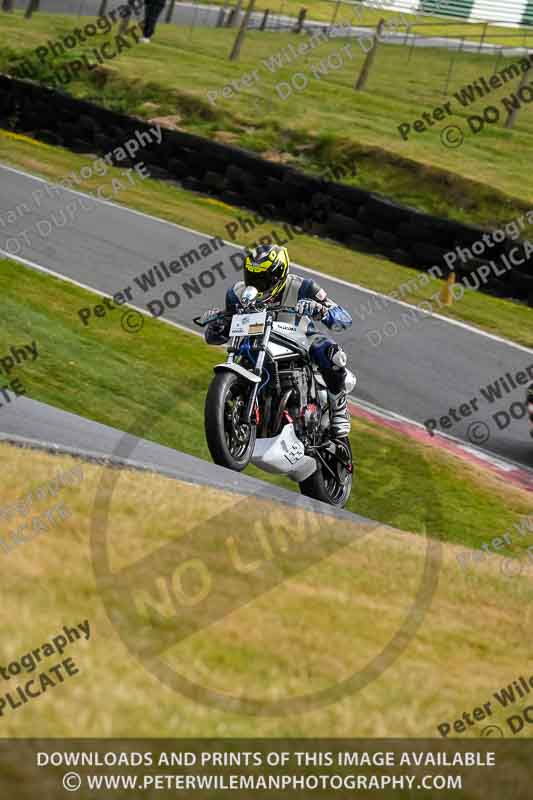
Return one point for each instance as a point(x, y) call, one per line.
point(267, 269)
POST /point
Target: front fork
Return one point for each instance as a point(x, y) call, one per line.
point(258, 370)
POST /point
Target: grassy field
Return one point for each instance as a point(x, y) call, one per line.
point(506, 318)
point(328, 124)
point(312, 630)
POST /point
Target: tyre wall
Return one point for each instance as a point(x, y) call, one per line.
point(358, 219)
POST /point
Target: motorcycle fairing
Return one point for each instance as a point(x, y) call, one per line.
point(284, 454)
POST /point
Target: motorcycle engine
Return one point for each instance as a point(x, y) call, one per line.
point(306, 414)
point(310, 417)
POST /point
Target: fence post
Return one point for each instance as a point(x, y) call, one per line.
point(412, 47)
point(237, 44)
point(234, 14)
point(452, 62)
point(103, 8)
point(511, 119)
point(125, 20)
point(33, 6)
point(193, 20)
point(264, 20)
point(497, 64)
point(369, 60)
point(170, 11)
point(300, 21)
point(123, 24)
point(483, 35)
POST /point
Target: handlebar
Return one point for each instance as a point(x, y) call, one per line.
point(250, 310)
point(196, 320)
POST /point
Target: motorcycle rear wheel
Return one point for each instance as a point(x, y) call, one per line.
point(321, 485)
point(230, 442)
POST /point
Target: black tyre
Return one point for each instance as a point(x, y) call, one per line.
point(230, 442)
point(334, 489)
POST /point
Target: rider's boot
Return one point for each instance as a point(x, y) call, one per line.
point(339, 416)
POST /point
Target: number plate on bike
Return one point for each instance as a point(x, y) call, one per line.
point(248, 324)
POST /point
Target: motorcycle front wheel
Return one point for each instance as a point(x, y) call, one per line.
point(331, 482)
point(231, 442)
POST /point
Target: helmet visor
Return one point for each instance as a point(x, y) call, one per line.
point(261, 280)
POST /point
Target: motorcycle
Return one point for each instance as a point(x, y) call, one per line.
point(268, 404)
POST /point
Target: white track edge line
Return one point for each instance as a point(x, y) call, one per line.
point(464, 445)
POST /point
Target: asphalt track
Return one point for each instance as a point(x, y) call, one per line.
point(27, 422)
point(420, 373)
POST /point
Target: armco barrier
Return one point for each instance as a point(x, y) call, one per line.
point(513, 13)
point(358, 219)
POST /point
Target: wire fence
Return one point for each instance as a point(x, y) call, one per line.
point(406, 40)
point(188, 14)
point(285, 16)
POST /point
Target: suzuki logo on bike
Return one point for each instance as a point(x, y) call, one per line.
point(295, 452)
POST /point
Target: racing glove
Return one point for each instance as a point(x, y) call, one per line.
point(216, 331)
point(312, 309)
point(210, 315)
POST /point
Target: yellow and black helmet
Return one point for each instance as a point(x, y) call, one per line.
point(266, 267)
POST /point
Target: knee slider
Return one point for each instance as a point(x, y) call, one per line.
point(337, 356)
